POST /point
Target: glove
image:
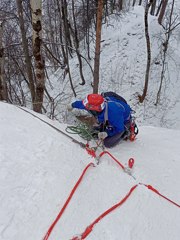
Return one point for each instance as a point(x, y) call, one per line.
point(69, 107)
point(102, 135)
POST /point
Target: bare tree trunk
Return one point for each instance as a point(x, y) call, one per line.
point(3, 89)
point(98, 46)
point(165, 48)
point(36, 6)
point(140, 2)
point(87, 30)
point(159, 7)
point(28, 63)
point(134, 2)
point(163, 10)
point(64, 7)
point(66, 29)
point(153, 7)
point(148, 44)
point(76, 42)
point(120, 5)
point(61, 32)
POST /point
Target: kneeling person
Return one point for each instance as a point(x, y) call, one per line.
point(113, 115)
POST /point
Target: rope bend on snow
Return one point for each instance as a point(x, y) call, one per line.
point(92, 153)
point(89, 229)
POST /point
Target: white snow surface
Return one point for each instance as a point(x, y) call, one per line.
point(40, 166)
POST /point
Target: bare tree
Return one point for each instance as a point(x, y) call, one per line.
point(148, 45)
point(162, 11)
point(98, 46)
point(67, 41)
point(153, 7)
point(134, 2)
point(120, 5)
point(76, 43)
point(3, 93)
point(171, 25)
point(28, 63)
point(36, 6)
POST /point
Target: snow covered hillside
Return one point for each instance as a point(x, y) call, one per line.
point(122, 69)
point(39, 168)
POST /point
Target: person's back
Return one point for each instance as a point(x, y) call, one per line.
point(115, 115)
point(126, 109)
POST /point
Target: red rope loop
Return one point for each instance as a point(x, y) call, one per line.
point(89, 229)
point(106, 152)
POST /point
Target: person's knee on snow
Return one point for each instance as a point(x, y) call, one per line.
point(114, 140)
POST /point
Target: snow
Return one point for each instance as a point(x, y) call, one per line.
point(40, 166)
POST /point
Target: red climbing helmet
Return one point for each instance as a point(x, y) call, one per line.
point(94, 102)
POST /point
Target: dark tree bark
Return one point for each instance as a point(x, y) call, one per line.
point(3, 89)
point(28, 63)
point(61, 32)
point(36, 6)
point(158, 8)
point(66, 29)
point(153, 7)
point(120, 5)
point(134, 2)
point(76, 43)
point(87, 30)
point(98, 46)
point(162, 11)
point(148, 45)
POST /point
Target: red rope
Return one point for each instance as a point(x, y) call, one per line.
point(90, 151)
point(106, 152)
point(90, 227)
point(67, 202)
point(148, 186)
point(157, 192)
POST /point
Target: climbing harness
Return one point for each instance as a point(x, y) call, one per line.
point(133, 130)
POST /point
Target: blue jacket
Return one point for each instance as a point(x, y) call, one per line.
point(118, 115)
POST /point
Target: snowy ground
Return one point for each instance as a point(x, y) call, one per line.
point(39, 168)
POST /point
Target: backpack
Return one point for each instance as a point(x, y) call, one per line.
point(131, 130)
point(106, 95)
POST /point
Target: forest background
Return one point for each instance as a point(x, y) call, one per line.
point(52, 52)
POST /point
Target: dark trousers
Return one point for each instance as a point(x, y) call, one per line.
point(112, 141)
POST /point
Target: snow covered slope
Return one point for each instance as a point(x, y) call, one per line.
point(122, 69)
point(39, 168)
